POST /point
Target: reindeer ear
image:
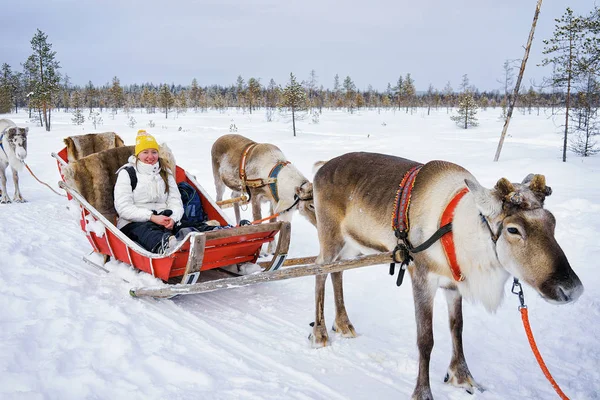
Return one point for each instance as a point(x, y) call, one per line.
point(24, 131)
point(488, 202)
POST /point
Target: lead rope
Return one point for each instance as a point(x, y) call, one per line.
point(518, 290)
point(43, 183)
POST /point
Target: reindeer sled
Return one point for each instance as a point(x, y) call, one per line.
point(88, 166)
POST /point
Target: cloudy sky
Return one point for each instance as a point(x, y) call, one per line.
point(214, 41)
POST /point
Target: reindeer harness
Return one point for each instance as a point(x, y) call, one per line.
point(271, 181)
point(400, 225)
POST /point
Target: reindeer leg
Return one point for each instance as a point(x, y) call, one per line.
point(423, 293)
point(458, 372)
point(330, 248)
point(18, 197)
point(319, 337)
point(4, 199)
point(236, 207)
point(342, 324)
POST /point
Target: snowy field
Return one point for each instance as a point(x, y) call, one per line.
point(70, 331)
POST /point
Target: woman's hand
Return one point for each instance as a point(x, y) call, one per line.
point(162, 220)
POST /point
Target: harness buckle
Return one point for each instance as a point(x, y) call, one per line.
point(518, 290)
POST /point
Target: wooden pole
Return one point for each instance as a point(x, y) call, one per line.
point(280, 274)
point(518, 85)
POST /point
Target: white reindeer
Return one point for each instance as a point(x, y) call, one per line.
point(13, 150)
point(499, 232)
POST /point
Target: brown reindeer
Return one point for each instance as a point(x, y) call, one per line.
point(289, 190)
point(499, 232)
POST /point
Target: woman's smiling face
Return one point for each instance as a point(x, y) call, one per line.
point(148, 156)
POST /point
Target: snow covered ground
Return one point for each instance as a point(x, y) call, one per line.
point(70, 331)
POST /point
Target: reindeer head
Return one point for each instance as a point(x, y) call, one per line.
point(306, 205)
point(17, 139)
point(525, 245)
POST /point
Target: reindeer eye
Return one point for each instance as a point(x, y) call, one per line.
point(513, 231)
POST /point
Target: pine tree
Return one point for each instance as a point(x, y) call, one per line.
point(6, 89)
point(467, 109)
point(240, 91)
point(165, 99)
point(116, 97)
point(45, 77)
point(294, 99)
point(408, 91)
point(562, 51)
point(349, 94)
point(398, 93)
point(195, 94)
point(253, 93)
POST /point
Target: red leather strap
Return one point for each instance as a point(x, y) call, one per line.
point(448, 239)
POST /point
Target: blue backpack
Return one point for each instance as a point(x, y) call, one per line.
point(192, 206)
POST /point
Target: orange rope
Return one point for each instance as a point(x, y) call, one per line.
point(537, 354)
point(43, 183)
point(259, 221)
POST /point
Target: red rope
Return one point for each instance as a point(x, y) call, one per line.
point(537, 354)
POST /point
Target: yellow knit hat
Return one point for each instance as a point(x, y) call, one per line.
point(144, 141)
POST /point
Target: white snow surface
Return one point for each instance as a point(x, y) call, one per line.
point(71, 331)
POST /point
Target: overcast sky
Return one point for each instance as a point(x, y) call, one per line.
point(373, 42)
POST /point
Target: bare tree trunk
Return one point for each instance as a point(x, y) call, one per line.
point(521, 72)
point(568, 101)
point(293, 121)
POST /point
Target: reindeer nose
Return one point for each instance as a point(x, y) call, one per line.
point(571, 293)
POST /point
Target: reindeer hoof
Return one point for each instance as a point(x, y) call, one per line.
point(463, 380)
point(318, 338)
point(21, 200)
point(346, 330)
point(5, 201)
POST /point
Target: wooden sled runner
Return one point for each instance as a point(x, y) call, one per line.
point(199, 251)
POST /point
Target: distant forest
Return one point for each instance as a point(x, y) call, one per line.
point(573, 52)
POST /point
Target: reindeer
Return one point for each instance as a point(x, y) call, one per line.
point(262, 171)
point(13, 150)
point(497, 232)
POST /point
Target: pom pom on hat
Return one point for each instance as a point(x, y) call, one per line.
point(144, 141)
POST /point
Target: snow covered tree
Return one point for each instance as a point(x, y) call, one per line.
point(293, 99)
point(467, 109)
point(45, 78)
point(398, 92)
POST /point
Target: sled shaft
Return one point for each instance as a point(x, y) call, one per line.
point(286, 273)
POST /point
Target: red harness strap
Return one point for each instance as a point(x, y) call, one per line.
point(402, 200)
point(448, 238)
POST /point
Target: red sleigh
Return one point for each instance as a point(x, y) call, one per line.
point(196, 253)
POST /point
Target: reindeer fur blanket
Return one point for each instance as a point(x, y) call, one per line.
point(94, 177)
point(81, 146)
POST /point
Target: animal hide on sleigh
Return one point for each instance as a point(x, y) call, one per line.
point(81, 146)
point(94, 177)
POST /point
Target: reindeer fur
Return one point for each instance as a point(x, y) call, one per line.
point(226, 155)
point(14, 144)
point(354, 200)
point(83, 145)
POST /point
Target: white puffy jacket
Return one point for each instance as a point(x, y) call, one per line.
point(149, 194)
